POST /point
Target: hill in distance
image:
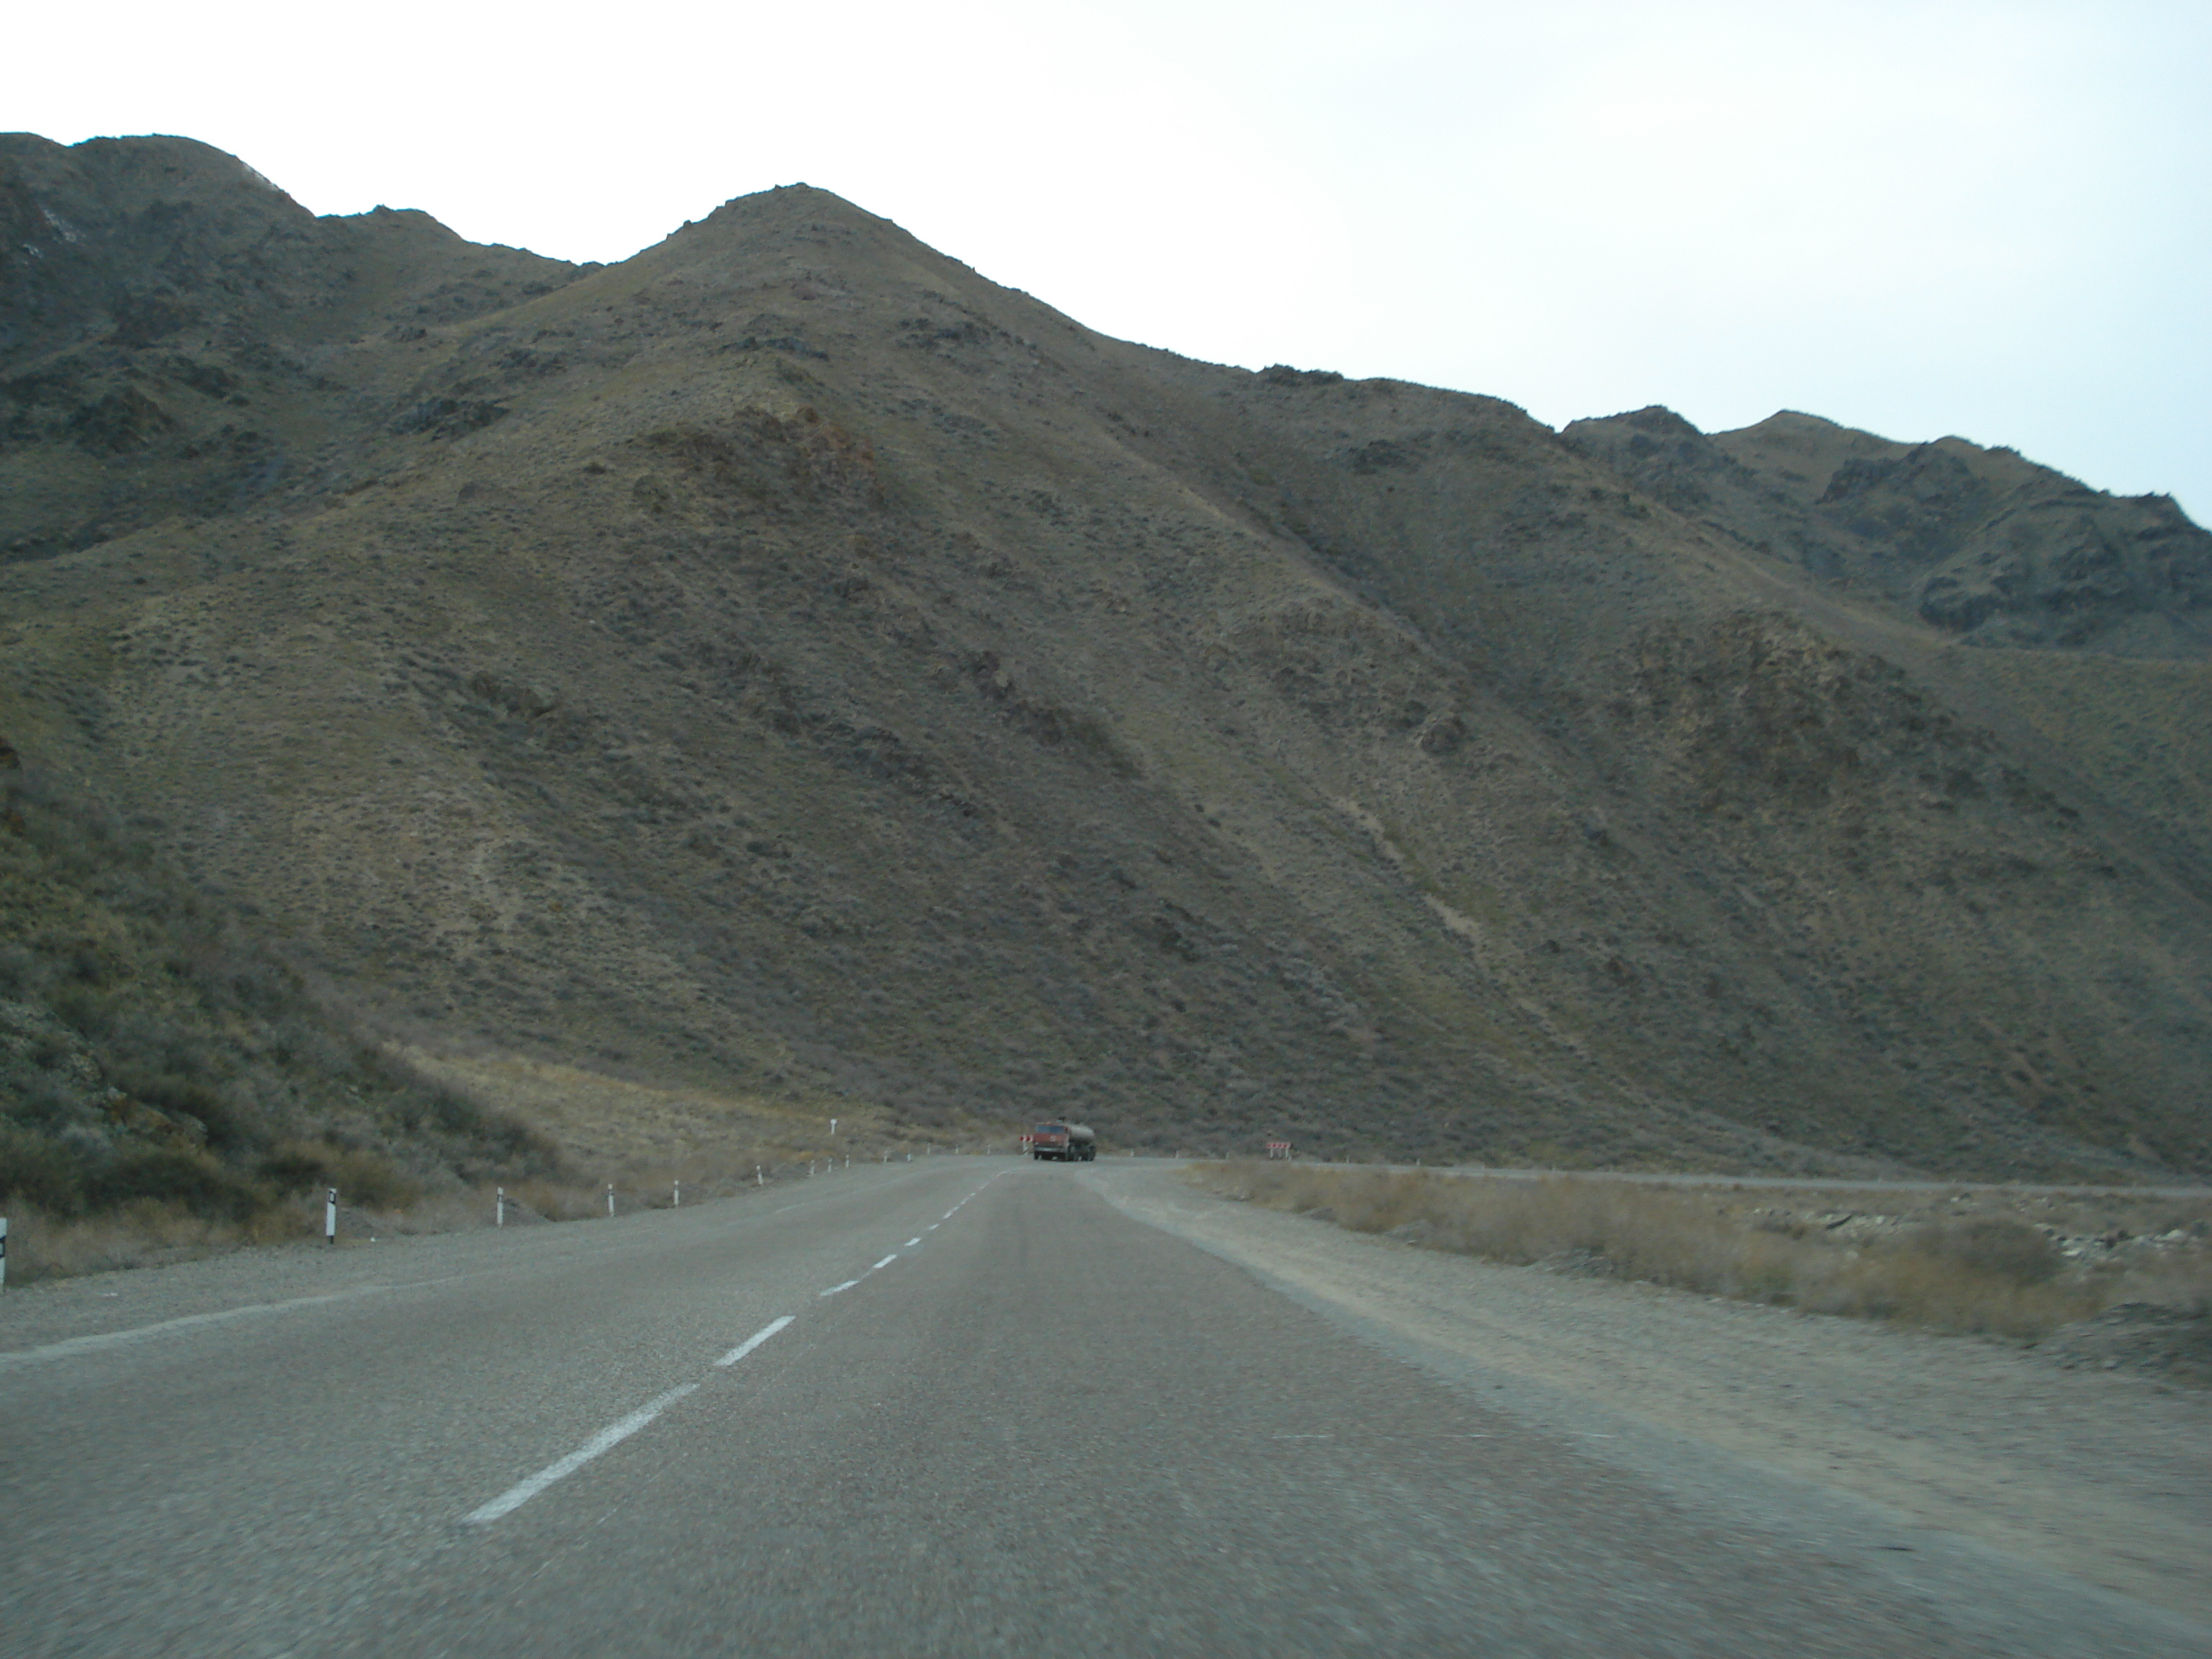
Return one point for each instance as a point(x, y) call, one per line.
point(787, 668)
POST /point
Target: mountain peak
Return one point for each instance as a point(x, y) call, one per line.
point(787, 667)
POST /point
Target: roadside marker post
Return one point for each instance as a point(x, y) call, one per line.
point(330, 1215)
point(679, 1202)
point(759, 1180)
point(610, 1199)
point(3, 1252)
point(499, 1207)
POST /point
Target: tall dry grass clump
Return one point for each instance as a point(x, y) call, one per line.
point(1991, 1274)
point(146, 1233)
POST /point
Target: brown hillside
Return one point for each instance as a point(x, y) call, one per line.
point(789, 659)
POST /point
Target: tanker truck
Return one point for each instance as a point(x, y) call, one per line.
point(1065, 1143)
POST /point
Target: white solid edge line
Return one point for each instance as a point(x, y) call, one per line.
point(833, 1289)
point(754, 1341)
point(613, 1435)
point(885, 1263)
point(76, 1345)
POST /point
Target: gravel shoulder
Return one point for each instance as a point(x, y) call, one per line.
point(2106, 1478)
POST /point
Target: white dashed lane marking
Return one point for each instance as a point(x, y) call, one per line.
point(754, 1341)
point(515, 1497)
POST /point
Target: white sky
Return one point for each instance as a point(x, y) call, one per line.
point(1991, 219)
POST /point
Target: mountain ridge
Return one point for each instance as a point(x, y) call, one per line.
point(787, 660)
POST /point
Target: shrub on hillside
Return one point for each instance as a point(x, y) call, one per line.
point(155, 1062)
point(182, 1175)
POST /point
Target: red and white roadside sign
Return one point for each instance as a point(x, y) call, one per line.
point(1278, 1149)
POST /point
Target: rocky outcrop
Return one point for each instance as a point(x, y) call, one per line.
point(1662, 454)
point(172, 317)
point(1978, 543)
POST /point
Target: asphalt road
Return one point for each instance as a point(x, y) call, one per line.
point(1002, 1418)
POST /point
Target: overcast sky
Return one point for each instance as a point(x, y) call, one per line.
point(1989, 219)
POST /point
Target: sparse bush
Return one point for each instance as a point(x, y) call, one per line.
point(20, 974)
point(554, 1202)
point(85, 1008)
point(362, 1178)
point(146, 1234)
point(1992, 1247)
point(40, 1169)
point(181, 1176)
point(1993, 1275)
point(1909, 1285)
point(173, 1092)
point(40, 1097)
point(171, 1070)
point(298, 1041)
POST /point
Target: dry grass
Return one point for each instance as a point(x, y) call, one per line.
point(1977, 1273)
point(151, 1233)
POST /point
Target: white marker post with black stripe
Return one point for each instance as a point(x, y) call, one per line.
point(330, 1215)
point(499, 1207)
point(3, 1252)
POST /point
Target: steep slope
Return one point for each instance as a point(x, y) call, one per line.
point(787, 658)
point(151, 1054)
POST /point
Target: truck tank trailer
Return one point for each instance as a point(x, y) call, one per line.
point(1064, 1143)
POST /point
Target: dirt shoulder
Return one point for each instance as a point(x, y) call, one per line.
point(2105, 1477)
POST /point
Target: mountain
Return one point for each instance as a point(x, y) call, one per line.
point(1978, 544)
point(788, 665)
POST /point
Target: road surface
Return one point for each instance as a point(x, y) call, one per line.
point(968, 1406)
